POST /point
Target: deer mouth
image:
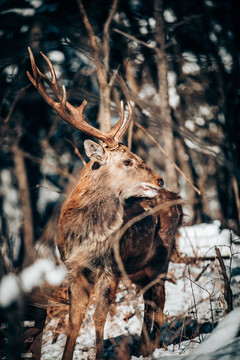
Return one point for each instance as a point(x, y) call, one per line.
point(150, 190)
point(151, 187)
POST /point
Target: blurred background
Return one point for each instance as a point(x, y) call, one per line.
point(178, 64)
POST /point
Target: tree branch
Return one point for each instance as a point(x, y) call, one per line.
point(106, 35)
point(18, 96)
point(99, 66)
point(167, 157)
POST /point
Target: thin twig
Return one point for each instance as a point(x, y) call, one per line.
point(18, 96)
point(210, 297)
point(185, 21)
point(221, 289)
point(165, 154)
point(193, 295)
point(38, 186)
point(159, 279)
point(99, 66)
point(131, 37)
point(106, 37)
point(172, 27)
point(113, 77)
point(181, 334)
point(142, 216)
point(76, 151)
point(228, 295)
point(202, 272)
point(41, 162)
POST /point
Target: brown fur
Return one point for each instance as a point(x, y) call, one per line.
point(107, 195)
point(94, 211)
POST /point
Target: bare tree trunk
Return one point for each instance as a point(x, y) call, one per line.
point(102, 68)
point(104, 113)
point(191, 194)
point(162, 66)
point(25, 200)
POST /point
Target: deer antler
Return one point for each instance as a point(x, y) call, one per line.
point(71, 114)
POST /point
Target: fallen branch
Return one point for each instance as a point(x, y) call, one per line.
point(228, 295)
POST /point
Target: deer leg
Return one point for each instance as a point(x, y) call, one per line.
point(158, 298)
point(154, 300)
point(106, 291)
point(144, 346)
point(79, 293)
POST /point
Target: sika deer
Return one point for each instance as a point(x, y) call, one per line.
point(115, 186)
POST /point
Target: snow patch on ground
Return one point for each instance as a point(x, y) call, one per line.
point(195, 293)
point(200, 240)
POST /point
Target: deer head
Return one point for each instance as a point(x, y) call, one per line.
point(119, 167)
point(111, 163)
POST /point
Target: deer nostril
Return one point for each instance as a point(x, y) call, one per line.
point(160, 182)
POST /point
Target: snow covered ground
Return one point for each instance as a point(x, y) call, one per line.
point(195, 297)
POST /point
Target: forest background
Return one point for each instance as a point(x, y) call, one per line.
point(178, 64)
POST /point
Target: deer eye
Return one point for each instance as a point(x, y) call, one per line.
point(128, 162)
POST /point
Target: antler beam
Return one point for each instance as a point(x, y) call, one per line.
point(71, 114)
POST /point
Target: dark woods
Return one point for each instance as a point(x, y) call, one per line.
point(177, 62)
point(190, 105)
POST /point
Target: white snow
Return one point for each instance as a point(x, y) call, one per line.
point(200, 121)
point(191, 66)
point(172, 91)
point(11, 72)
point(199, 240)
point(169, 16)
point(189, 124)
point(9, 290)
point(213, 37)
point(226, 58)
point(190, 296)
point(227, 329)
point(10, 203)
point(56, 56)
point(35, 3)
point(152, 22)
point(23, 12)
point(42, 270)
point(206, 111)
point(196, 293)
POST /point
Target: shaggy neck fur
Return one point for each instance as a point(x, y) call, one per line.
point(90, 215)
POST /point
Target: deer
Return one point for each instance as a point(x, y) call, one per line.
point(114, 187)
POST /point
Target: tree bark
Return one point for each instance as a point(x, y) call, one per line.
point(25, 200)
point(162, 67)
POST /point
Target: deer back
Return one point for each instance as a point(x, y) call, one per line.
point(147, 245)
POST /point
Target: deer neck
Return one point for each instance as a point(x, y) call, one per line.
point(92, 213)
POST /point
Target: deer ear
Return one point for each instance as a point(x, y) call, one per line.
point(94, 151)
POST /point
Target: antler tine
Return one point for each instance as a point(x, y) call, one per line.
point(35, 77)
point(36, 80)
point(118, 126)
point(54, 83)
point(69, 113)
point(119, 134)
